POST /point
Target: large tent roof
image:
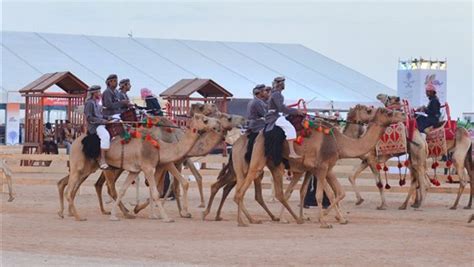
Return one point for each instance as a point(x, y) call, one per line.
point(159, 63)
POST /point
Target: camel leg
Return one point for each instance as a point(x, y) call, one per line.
point(352, 179)
point(111, 177)
point(459, 164)
point(128, 181)
point(159, 177)
point(340, 195)
point(155, 197)
point(303, 191)
point(289, 190)
point(410, 192)
point(225, 193)
point(470, 173)
point(198, 177)
point(61, 186)
point(74, 182)
point(99, 184)
point(321, 173)
point(185, 185)
point(277, 174)
point(259, 197)
point(242, 187)
point(222, 180)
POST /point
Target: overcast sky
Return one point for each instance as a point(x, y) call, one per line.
point(369, 36)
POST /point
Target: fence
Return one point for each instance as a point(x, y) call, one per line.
point(213, 163)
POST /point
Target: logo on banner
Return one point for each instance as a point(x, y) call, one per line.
point(409, 81)
point(431, 82)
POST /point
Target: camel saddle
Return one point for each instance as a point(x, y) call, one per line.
point(393, 141)
point(117, 129)
point(296, 121)
point(437, 137)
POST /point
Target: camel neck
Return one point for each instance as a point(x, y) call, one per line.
point(171, 152)
point(205, 143)
point(355, 147)
point(353, 130)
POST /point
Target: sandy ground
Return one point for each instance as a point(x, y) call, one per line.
point(33, 235)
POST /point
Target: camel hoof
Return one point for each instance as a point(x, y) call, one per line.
point(383, 207)
point(136, 210)
point(256, 222)
point(168, 221)
point(344, 221)
point(218, 219)
point(202, 205)
point(359, 201)
point(187, 215)
point(81, 219)
point(11, 199)
point(114, 218)
point(467, 207)
point(243, 225)
point(61, 215)
point(326, 226)
point(284, 221)
point(299, 221)
point(453, 208)
point(106, 212)
point(275, 219)
point(404, 207)
point(203, 215)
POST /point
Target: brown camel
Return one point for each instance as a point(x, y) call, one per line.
point(320, 153)
point(7, 173)
point(417, 151)
point(228, 179)
point(166, 136)
point(205, 144)
point(138, 155)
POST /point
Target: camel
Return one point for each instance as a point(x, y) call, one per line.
point(7, 173)
point(320, 153)
point(138, 155)
point(227, 177)
point(205, 144)
point(166, 136)
point(417, 151)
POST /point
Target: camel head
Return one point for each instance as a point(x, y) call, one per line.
point(360, 114)
point(204, 124)
point(389, 101)
point(228, 122)
point(385, 117)
point(207, 109)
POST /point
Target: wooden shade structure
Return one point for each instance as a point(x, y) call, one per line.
point(179, 98)
point(36, 97)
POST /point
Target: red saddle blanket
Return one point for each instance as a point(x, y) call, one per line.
point(393, 141)
point(437, 138)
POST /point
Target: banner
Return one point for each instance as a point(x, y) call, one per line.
point(12, 131)
point(412, 85)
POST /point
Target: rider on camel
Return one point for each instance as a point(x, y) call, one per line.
point(111, 98)
point(96, 122)
point(276, 114)
point(432, 111)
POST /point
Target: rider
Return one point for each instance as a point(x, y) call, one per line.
point(96, 122)
point(256, 111)
point(111, 99)
point(151, 102)
point(276, 112)
point(433, 113)
point(124, 88)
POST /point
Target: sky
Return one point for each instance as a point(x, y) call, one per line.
point(368, 36)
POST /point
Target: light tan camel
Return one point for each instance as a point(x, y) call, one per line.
point(228, 179)
point(417, 151)
point(7, 173)
point(205, 144)
point(138, 155)
point(167, 136)
point(319, 153)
